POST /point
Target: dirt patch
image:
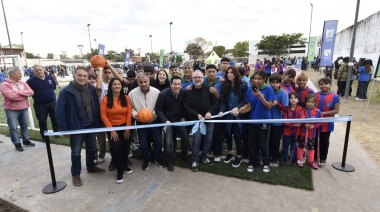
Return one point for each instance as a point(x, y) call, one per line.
point(7, 206)
point(364, 128)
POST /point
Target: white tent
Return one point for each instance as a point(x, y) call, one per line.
point(213, 58)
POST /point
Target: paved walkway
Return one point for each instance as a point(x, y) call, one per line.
point(24, 174)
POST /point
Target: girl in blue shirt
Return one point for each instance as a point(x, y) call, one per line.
point(259, 102)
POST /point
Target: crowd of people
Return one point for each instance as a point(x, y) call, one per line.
point(106, 98)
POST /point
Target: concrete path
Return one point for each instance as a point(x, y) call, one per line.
point(24, 174)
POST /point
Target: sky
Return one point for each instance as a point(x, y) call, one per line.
point(51, 26)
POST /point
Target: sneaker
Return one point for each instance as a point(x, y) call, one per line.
point(313, 165)
point(160, 163)
point(228, 158)
point(145, 165)
point(210, 154)
point(19, 147)
point(250, 168)
point(266, 169)
point(237, 162)
point(169, 166)
point(77, 181)
point(120, 178)
point(134, 146)
point(128, 170)
point(130, 154)
point(359, 99)
point(207, 162)
point(273, 164)
point(322, 163)
point(245, 160)
point(111, 167)
point(194, 167)
point(299, 163)
point(101, 160)
point(96, 170)
point(28, 143)
point(217, 159)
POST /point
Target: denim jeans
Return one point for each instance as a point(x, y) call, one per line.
point(42, 112)
point(289, 140)
point(14, 118)
point(143, 140)
point(197, 138)
point(76, 143)
point(363, 89)
point(168, 146)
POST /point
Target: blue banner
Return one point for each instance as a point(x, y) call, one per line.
point(175, 57)
point(101, 49)
point(127, 58)
point(328, 42)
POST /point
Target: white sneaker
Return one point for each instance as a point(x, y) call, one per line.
point(273, 164)
point(266, 169)
point(217, 159)
point(101, 160)
point(245, 161)
point(130, 154)
point(250, 169)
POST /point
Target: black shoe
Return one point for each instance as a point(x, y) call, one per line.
point(237, 162)
point(228, 158)
point(19, 147)
point(160, 163)
point(145, 165)
point(128, 170)
point(96, 170)
point(120, 178)
point(169, 166)
point(28, 143)
point(111, 167)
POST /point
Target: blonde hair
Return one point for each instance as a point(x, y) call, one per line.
point(302, 76)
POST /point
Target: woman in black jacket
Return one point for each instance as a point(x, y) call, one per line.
point(232, 98)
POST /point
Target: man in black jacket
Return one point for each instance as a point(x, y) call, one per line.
point(169, 108)
point(199, 103)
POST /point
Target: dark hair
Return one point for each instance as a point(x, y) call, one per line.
point(227, 85)
point(290, 72)
point(173, 66)
point(149, 69)
point(91, 76)
point(261, 73)
point(346, 59)
point(225, 59)
point(209, 66)
point(241, 71)
point(167, 77)
point(310, 96)
point(131, 74)
point(174, 78)
point(140, 68)
point(293, 94)
point(275, 77)
point(325, 80)
point(122, 98)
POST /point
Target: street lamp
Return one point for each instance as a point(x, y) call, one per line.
point(22, 41)
point(80, 47)
point(151, 46)
point(96, 45)
point(311, 18)
point(171, 37)
point(6, 25)
point(89, 38)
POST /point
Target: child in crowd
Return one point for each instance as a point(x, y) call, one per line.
point(308, 132)
point(328, 103)
point(287, 83)
point(276, 128)
point(302, 90)
point(259, 102)
point(294, 111)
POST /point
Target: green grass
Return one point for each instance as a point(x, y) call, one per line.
point(283, 175)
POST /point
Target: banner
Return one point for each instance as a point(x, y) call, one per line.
point(175, 57)
point(127, 58)
point(328, 42)
point(377, 71)
point(161, 57)
point(311, 49)
point(101, 49)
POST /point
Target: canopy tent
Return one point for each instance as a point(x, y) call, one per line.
point(213, 58)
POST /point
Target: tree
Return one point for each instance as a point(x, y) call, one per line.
point(279, 44)
point(93, 52)
point(31, 56)
point(219, 50)
point(197, 47)
point(179, 59)
point(241, 49)
point(50, 56)
point(76, 56)
point(63, 56)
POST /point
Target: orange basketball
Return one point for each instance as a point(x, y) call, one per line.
point(98, 61)
point(144, 115)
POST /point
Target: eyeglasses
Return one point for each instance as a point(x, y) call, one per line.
point(187, 68)
point(197, 77)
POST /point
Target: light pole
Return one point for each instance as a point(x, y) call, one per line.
point(89, 38)
point(22, 41)
point(171, 50)
point(80, 47)
point(96, 45)
point(6, 25)
point(311, 18)
point(151, 47)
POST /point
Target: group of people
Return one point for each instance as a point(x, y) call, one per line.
point(111, 100)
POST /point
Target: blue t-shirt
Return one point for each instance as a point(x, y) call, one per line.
point(363, 75)
point(185, 83)
point(259, 111)
point(216, 83)
point(220, 74)
point(244, 78)
point(281, 97)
